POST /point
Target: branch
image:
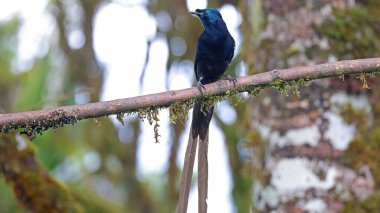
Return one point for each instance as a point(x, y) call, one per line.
point(41, 120)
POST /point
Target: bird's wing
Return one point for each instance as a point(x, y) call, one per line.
point(196, 61)
point(232, 50)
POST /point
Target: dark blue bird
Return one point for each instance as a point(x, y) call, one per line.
point(215, 49)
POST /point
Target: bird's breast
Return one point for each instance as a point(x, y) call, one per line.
point(214, 53)
point(215, 49)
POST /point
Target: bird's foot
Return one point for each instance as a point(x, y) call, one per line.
point(231, 79)
point(200, 87)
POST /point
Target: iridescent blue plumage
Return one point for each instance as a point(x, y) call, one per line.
point(215, 49)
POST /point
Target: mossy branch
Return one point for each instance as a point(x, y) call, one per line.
point(34, 122)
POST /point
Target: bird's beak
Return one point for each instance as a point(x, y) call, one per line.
point(195, 13)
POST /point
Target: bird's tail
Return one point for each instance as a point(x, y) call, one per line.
point(202, 115)
point(199, 127)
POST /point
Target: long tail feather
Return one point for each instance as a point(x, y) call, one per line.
point(199, 131)
point(187, 173)
point(202, 174)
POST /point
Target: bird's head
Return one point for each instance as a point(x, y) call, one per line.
point(211, 19)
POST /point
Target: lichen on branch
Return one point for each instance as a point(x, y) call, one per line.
point(180, 101)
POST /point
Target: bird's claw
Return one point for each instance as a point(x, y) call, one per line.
point(200, 86)
point(231, 79)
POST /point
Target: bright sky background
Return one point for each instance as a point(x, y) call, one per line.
point(120, 43)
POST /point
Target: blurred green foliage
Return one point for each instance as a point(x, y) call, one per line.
point(32, 185)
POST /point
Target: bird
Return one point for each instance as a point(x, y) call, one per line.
point(214, 52)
